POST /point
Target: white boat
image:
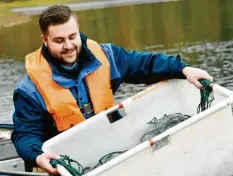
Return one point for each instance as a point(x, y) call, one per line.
point(200, 145)
point(9, 159)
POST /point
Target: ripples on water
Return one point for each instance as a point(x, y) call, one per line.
point(215, 57)
point(10, 73)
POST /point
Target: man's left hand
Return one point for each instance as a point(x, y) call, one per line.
point(194, 74)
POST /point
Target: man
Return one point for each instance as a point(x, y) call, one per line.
point(71, 78)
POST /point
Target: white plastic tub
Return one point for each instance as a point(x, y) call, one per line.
point(201, 145)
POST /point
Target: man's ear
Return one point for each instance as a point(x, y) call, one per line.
point(45, 40)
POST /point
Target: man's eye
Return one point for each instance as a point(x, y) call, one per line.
point(72, 37)
point(58, 41)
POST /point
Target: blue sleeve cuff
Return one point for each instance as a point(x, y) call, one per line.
point(32, 157)
point(176, 65)
point(181, 65)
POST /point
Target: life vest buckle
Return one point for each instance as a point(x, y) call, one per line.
point(86, 109)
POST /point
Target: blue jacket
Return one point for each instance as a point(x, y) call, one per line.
point(33, 123)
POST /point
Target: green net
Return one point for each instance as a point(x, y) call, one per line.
point(67, 162)
point(76, 169)
point(158, 126)
point(205, 93)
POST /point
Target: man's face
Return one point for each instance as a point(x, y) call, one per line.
point(63, 41)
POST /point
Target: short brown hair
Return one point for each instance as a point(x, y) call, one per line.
point(53, 15)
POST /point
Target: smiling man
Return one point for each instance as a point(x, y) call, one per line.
point(62, 39)
point(71, 78)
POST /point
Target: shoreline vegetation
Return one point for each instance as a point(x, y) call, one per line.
point(9, 18)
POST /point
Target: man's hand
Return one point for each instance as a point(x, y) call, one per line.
point(43, 160)
point(194, 74)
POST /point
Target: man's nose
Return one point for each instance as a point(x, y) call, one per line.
point(68, 45)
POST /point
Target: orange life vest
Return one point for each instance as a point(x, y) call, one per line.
point(59, 101)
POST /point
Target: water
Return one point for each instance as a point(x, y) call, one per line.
point(201, 31)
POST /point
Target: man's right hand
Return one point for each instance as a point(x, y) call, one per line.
point(43, 160)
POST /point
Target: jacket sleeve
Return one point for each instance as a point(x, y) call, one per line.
point(144, 67)
point(28, 131)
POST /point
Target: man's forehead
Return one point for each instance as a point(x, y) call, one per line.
point(59, 34)
point(63, 30)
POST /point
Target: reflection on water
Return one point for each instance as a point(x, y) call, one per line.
point(200, 30)
point(136, 26)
